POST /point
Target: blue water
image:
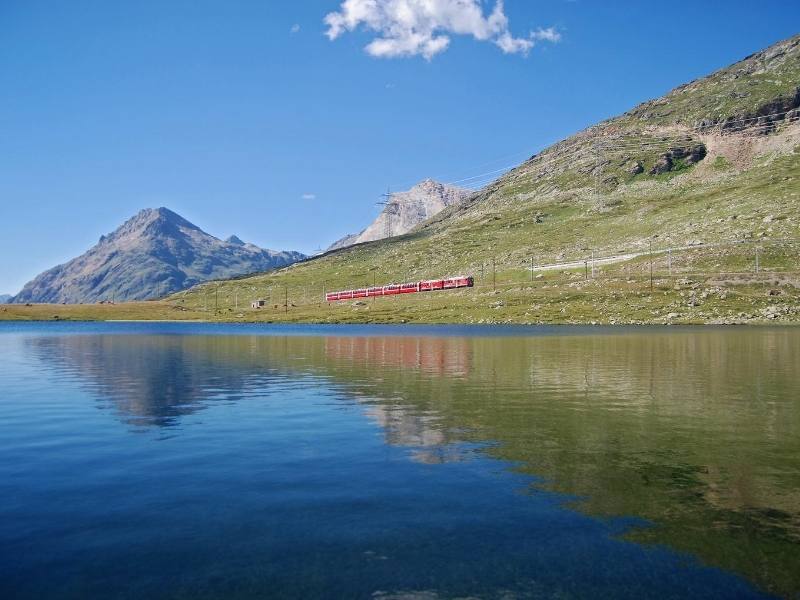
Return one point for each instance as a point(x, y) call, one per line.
point(197, 461)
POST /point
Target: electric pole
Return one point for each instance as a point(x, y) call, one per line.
point(389, 210)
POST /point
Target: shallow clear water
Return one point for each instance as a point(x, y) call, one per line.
point(201, 461)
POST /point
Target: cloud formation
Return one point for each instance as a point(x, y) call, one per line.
point(295, 28)
point(309, 196)
point(547, 35)
point(424, 27)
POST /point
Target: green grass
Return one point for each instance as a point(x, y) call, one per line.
point(721, 163)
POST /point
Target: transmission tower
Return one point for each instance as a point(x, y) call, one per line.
point(390, 210)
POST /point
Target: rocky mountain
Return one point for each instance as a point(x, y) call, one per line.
point(405, 210)
point(154, 253)
point(5, 298)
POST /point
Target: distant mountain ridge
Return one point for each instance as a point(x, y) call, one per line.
point(152, 254)
point(405, 210)
point(4, 298)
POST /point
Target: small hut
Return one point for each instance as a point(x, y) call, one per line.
point(258, 303)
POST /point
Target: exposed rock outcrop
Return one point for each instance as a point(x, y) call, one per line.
point(667, 161)
point(405, 210)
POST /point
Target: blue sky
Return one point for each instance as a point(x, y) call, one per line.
point(231, 112)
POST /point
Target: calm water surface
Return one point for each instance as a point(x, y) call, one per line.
point(200, 461)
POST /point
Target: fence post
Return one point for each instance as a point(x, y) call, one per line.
point(757, 261)
point(531, 269)
point(592, 264)
point(669, 261)
point(494, 275)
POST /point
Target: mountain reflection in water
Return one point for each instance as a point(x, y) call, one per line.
point(696, 432)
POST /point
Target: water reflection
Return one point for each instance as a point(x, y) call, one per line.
point(695, 432)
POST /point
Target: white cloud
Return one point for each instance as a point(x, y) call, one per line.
point(424, 27)
point(295, 28)
point(309, 196)
point(547, 35)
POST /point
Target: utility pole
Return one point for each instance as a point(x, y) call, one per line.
point(389, 211)
point(236, 298)
point(205, 300)
point(216, 299)
point(669, 261)
point(285, 299)
point(494, 275)
point(651, 266)
point(531, 269)
point(586, 270)
point(758, 266)
point(592, 264)
point(483, 277)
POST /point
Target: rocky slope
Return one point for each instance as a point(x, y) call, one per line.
point(405, 210)
point(155, 253)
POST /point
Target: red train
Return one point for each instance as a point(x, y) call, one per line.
point(402, 288)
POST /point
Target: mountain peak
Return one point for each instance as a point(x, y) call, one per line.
point(154, 252)
point(163, 214)
point(406, 210)
point(428, 184)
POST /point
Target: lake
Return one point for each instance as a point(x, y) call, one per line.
point(202, 461)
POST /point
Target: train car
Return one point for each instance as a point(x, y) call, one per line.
point(393, 289)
